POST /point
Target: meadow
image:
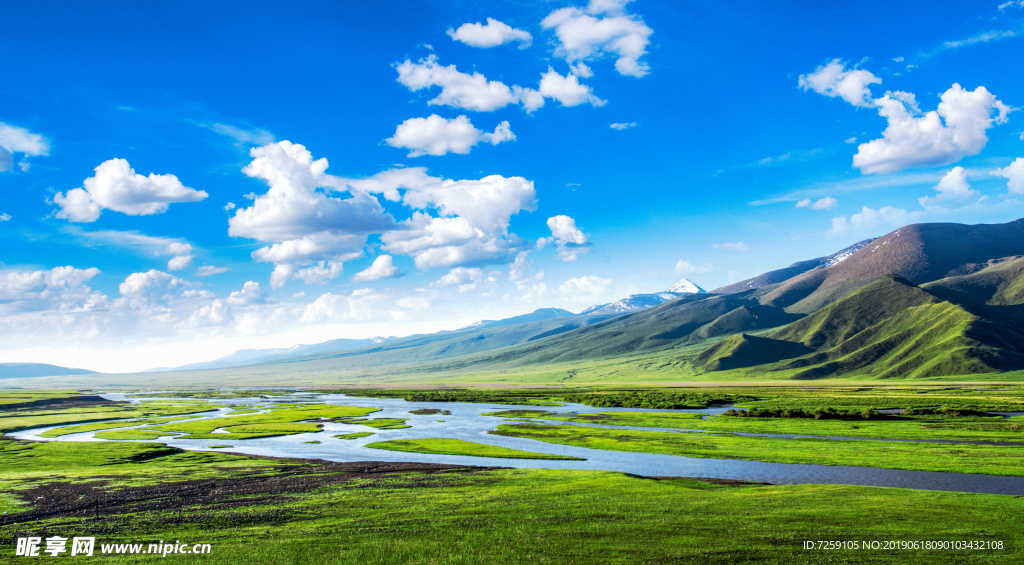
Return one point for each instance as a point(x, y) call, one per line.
point(263, 510)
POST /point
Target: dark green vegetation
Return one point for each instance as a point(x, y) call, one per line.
point(259, 511)
point(430, 412)
point(459, 447)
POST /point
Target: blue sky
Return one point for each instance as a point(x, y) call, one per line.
point(165, 199)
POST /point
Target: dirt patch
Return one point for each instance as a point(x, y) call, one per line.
point(62, 403)
point(107, 507)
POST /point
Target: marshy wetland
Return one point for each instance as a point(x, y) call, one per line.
point(394, 476)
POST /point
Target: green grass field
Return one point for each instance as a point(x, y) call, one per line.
point(460, 447)
point(465, 516)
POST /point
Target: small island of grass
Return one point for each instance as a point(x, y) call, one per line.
point(460, 447)
point(355, 435)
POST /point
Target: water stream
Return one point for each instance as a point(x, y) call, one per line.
point(466, 423)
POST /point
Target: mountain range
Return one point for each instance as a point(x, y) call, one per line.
point(924, 301)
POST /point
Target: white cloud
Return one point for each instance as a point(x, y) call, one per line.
point(473, 220)
point(585, 289)
point(870, 221)
point(940, 137)
point(952, 187)
point(435, 135)
point(583, 34)
point(14, 139)
point(303, 224)
point(178, 248)
point(834, 80)
point(382, 268)
point(683, 267)
point(465, 278)
point(5, 217)
point(622, 126)
point(361, 304)
point(178, 263)
point(244, 137)
point(569, 240)
point(1014, 173)
point(493, 34)
point(850, 140)
point(737, 246)
point(116, 186)
point(475, 92)
point(229, 206)
point(1011, 4)
point(458, 90)
point(826, 203)
point(567, 89)
point(250, 294)
point(320, 273)
point(150, 284)
point(209, 270)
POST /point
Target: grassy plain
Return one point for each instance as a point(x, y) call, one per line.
point(459, 447)
point(984, 428)
point(960, 458)
point(255, 510)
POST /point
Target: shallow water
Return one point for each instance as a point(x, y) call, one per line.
point(467, 423)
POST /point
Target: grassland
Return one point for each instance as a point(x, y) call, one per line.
point(990, 428)
point(379, 423)
point(459, 447)
point(260, 511)
point(281, 421)
point(992, 460)
point(355, 435)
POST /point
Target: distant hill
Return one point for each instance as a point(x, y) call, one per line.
point(924, 301)
point(920, 253)
point(30, 370)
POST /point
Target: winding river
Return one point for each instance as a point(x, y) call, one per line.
point(466, 423)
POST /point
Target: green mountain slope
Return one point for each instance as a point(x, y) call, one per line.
point(892, 328)
point(742, 350)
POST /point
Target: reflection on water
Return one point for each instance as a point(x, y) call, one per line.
point(466, 423)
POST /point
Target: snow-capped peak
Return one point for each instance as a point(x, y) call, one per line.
point(686, 286)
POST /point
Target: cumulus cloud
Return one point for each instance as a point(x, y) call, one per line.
point(458, 90)
point(382, 268)
point(602, 28)
point(683, 267)
point(826, 203)
point(834, 80)
point(465, 278)
point(435, 135)
point(178, 263)
point(116, 186)
point(473, 216)
point(320, 273)
point(60, 290)
point(303, 223)
point(737, 246)
point(491, 34)
point(475, 92)
point(869, 220)
point(952, 187)
point(567, 89)
point(14, 139)
point(955, 130)
point(568, 239)
point(5, 217)
point(361, 304)
point(1014, 173)
point(623, 126)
